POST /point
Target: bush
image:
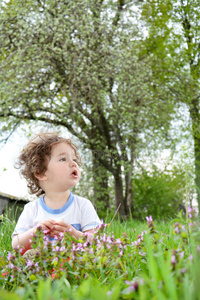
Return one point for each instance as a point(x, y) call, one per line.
point(158, 194)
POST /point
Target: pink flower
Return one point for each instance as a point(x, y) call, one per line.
point(190, 257)
point(118, 241)
point(29, 263)
point(183, 271)
point(11, 266)
point(149, 219)
point(9, 256)
point(133, 286)
point(173, 259)
point(183, 227)
point(176, 230)
point(192, 213)
point(91, 251)
point(189, 209)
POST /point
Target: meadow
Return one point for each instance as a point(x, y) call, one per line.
point(123, 260)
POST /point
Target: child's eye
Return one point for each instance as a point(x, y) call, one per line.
point(63, 159)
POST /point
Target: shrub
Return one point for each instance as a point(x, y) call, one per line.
point(158, 194)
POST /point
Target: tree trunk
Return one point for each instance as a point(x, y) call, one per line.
point(100, 187)
point(129, 195)
point(129, 189)
point(197, 167)
point(194, 113)
point(119, 199)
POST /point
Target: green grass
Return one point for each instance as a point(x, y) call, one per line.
point(164, 265)
point(6, 229)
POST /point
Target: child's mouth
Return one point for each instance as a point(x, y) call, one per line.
point(75, 173)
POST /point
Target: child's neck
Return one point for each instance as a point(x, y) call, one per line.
point(56, 200)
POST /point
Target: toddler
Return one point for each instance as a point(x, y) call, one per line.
point(50, 164)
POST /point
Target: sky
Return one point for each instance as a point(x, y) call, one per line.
point(10, 181)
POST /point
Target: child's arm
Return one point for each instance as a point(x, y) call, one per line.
point(24, 239)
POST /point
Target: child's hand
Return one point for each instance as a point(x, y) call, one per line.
point(47, 225)
point(59, 227)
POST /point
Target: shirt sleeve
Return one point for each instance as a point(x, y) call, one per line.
point(89, 217)
point(25, 221)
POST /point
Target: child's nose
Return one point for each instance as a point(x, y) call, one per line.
point(72, 163)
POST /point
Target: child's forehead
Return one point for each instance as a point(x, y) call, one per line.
point(63, 148)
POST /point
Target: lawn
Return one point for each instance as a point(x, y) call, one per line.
point(129, 260)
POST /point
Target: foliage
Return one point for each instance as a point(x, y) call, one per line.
point(149, 264)
point(159, 193)
point(6, 229)
point(79, 65)
point(173, 43)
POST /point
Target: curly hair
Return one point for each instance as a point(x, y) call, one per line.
point(34, 158)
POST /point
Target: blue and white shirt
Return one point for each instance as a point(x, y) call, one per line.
point(78, 211)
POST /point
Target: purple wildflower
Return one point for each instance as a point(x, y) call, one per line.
point(11, 266)
point(9, 255)
point(61, 234)
point(149, 219)
point(173, 259)
point(133, 286)
point(192, 213)
point(109, 239)
point(183, 270)
point(118, 241)
point(183, 227)
point(29, 263)
point(177, 230)
point(62, 249)
point(190, 257)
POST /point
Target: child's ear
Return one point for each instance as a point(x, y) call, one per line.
point(41, 177)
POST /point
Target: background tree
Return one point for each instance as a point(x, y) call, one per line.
point(173, 42)
point(78, 64)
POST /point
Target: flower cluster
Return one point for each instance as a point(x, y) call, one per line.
point(100, 255)
point(76, 258)
point(192, 213)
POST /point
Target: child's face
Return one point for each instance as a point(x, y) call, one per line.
point(62, 171)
